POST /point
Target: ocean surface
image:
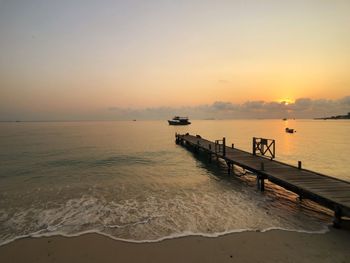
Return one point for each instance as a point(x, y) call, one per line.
point(129, 180)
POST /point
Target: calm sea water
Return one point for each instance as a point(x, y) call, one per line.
point(129, 180)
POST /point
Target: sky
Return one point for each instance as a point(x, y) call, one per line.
point(83, 59)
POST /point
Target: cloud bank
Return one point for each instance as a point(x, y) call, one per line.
point(301, 108)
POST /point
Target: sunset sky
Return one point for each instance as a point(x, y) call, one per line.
point(95, 59)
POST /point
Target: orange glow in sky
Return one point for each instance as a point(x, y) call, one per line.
point(80, 56)
point(286, 101)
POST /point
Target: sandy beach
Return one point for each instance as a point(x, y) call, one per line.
point(270, 246)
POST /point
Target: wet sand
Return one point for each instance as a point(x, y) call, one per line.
point(270, 246)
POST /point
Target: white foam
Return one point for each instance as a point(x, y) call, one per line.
point(184, 214)
point(130, 224)
point(172, 236)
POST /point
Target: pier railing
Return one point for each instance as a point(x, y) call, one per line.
point(220, 146)
point(264, 147)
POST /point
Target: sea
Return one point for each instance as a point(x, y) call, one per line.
point(129, 180)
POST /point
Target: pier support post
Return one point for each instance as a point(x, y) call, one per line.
point(337, 217)
point(224, 146)
point(262, 184)
point(254, 148)
point(299, 165)
point(261, 178)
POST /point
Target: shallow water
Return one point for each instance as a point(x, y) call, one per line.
point(131, 181)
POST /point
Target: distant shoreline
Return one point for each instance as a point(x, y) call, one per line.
point(338, 117)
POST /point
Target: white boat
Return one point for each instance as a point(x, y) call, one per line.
point(179, 121)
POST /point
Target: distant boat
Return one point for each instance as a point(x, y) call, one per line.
point(179, 121)
point(290, 130)
point(284, 119)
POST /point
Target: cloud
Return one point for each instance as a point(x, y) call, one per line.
point(302, 104)
point(224, 106)
point(301, 108)
point(345, 101)
point(253, 105)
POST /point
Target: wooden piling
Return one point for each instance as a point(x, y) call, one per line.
point(254, 146)
point(262, 184)
point(224, 146)
point(337, 217)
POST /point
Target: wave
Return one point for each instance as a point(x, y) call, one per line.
point(154, 218)
point(172, 236)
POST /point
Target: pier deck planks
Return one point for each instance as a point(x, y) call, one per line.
point(325, 190)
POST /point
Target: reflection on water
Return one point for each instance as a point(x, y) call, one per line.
point(131, 181)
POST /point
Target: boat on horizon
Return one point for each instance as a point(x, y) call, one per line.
point(177, 120)
point(289, 130)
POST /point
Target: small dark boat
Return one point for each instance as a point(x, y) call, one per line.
point(179, 121)
point(290, 130)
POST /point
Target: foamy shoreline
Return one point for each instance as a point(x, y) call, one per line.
point(173, 236)
point(246, 246)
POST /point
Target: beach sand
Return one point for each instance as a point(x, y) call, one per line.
point(270, 246)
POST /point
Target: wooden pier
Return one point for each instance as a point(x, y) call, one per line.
point(327, 191)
